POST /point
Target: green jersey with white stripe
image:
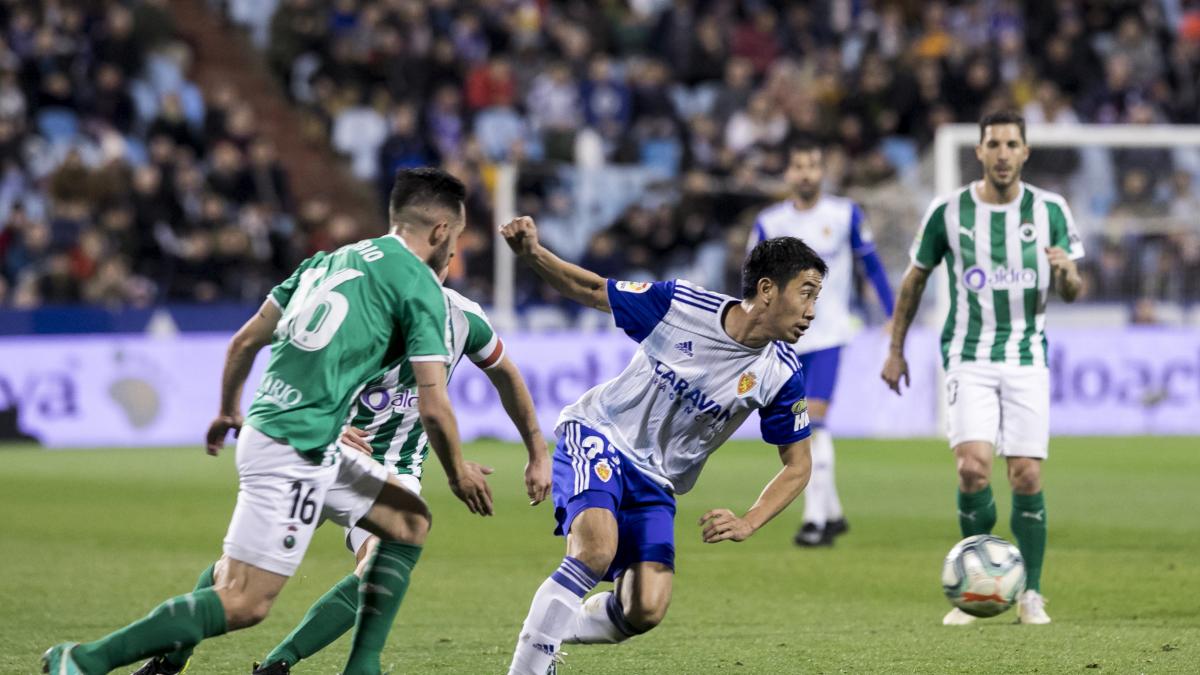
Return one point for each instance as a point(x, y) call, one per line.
point(998, 271)
point(387, 407)
point(348, 316)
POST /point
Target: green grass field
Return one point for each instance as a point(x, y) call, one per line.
point(94, 539)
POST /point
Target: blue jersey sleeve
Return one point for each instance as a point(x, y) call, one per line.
point(785, 420)
point(638, 306)
point(864, 249)
point(861, 241)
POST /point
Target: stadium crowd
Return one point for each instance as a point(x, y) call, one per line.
point(121, 182)
point(703, 95)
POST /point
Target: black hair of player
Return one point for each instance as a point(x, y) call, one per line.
point(426, 186)
point(780, 260)
point(1002, 117)
point(803, 143)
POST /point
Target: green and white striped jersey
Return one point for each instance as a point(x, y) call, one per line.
point(387, 407)
point(998, 269)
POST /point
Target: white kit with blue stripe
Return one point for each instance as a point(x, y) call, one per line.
point(689, 385)
point(834, 227)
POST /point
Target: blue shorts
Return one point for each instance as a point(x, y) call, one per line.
point(820, 372)
point(590, 473)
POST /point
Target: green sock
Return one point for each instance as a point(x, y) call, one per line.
point(976, 512)
point(380, 594)
point(1029, 527)
point(179, 657)
point(329, 617)
point(181, 622)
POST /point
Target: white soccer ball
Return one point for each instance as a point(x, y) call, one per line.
point(983, 575)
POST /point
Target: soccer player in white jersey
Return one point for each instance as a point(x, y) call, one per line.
point(628, 446)
point(834, 227)
point(1006, 244)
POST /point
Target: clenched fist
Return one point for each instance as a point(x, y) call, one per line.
point(521, 235)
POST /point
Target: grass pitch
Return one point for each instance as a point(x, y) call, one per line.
point(90, 540)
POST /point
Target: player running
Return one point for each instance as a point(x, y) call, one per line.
point(341, 320)
point(630, 445)
point(1006, 244)
point(386, 426)
point(833, 226)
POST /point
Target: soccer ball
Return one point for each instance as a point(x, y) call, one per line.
point(983, 575)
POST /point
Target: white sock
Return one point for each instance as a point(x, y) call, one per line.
point(597, 622)
point(551, 617)
point(816, 495)
point(833, 505)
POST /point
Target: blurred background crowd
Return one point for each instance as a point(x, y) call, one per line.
point(647, 132)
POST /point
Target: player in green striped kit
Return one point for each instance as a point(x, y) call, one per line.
point(385, 425)
point(339, 321)
point(1006, 244)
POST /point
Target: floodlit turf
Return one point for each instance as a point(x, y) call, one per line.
point(93, 539)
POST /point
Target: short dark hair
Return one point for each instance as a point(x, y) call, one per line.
point(425, 186)
point(803, 143)
point(1002, 117)
point(779, 260)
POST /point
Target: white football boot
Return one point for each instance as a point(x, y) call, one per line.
point(1031, 608)
point(957, 617)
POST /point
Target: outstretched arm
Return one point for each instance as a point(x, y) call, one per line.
point(514, 395)
point(586, 288)
point(721, 524)
point(911, 289)
point(245, 345)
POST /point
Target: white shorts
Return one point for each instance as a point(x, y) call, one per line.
point(356, 536)
point(1000, 403)
point(282, 497)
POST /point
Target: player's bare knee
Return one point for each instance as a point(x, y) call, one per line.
point(408, 527)
point(646, 612)
point(593, 539)
point(972, 476)
point(243, 611)
point(1025, 477)
point(596, 558)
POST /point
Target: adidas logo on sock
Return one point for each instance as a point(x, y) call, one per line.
point(686, 348)
point(545, 649)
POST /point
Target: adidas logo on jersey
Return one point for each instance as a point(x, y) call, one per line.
point(686, 348)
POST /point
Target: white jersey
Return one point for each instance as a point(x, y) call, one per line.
point(689, 385)
point(834, 228)
point(999, 274)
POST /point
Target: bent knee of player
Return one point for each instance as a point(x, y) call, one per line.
point(399, 515)
point(596, 558)
point(593, 539)
point(407, 527)
point(646, 612)
point(242, 609)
